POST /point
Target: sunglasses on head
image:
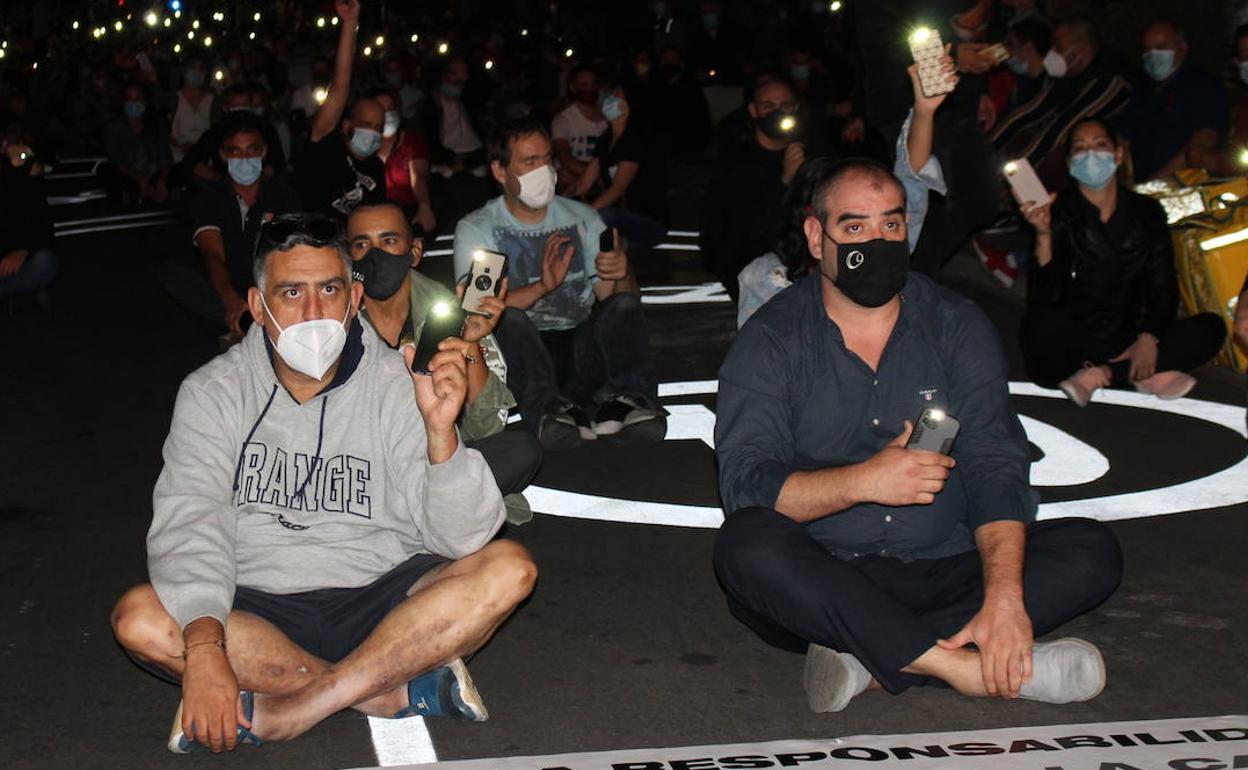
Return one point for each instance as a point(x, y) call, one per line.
point(317, 228)
point(276, 232)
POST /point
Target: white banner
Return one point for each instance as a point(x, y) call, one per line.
point(1208, 743)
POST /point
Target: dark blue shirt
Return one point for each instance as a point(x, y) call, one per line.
point(792, 397)
point(1161, 118)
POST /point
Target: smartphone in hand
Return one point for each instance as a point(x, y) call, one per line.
point(1024, 182)
point(485, 279)
point(444, 319)
point(929, 53)
point(934, 432)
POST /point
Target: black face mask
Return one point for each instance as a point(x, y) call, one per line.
point(870, 273)
point(382, 272)
point(774, 125)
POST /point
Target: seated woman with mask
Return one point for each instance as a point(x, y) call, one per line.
point(1103, 296)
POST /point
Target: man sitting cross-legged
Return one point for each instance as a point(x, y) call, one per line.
point(881, 562)
point(318, 540)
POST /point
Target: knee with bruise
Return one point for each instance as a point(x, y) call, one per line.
point(512, 572)
point(137, 624)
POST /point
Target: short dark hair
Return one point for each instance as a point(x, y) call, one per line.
point(505, 135)
point(767, 77)
point(236, 89)
point(794, 208)
point(1070, 135)
point(301, 223)
point(832, 174)
point(581, 69)
point(1039, 34)
point(238, 122)
point(1240, 32)
point(407, 226)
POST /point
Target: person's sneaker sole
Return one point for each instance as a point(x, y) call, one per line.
point(828, 681)
point(469, 700)
point(1078, 652)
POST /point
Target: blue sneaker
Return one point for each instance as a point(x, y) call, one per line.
point(447, 692)
point(179, 743)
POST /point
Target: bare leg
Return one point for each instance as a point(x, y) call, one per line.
point(448, 616)
point(960, 669)
point(263, 659)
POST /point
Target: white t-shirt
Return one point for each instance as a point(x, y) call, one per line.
point(579, 131)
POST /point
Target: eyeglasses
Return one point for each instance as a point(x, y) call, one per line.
point(276, 232)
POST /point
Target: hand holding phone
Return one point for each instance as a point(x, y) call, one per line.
point(444, 319)
point(611, 262)
point(934, 432)
point(1025, 182)
point(929, 54)
point(485, 278)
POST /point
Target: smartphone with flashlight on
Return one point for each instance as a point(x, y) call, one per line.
point(934, 432)
point(929, 54)
point(444, 319)
point(485, 278)
point(1025, 182)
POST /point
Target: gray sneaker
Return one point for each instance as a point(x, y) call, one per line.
point(832, 679)
point(1065, 671)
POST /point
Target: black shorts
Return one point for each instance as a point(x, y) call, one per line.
point(331, 622)
point(328, 622)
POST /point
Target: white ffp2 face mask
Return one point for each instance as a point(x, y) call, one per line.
point(1055, 64)
point(310, 347)
point(537, 187)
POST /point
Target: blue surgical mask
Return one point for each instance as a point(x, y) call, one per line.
point(1093, 168)
point(1159, 63)
point(612, 107)
point(800, 71)
point(1242, 67)
point(193, 78)
point(245, 171)
point(134, 109)
point(1017, 66)
point(365, 142)
point(452, 90)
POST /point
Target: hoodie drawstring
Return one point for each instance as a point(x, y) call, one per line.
point(316, 457)
point(238, 469)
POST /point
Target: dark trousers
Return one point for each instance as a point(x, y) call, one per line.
point(885, 612)
point(190, 289)
point(1056, 345)
point(641, 231)
point(37, 272)
point(607, 356)
point(514, 457)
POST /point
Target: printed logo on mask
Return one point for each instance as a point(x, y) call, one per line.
point(854, 260)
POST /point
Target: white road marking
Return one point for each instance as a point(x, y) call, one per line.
point(401, 741)
point(1068, 461)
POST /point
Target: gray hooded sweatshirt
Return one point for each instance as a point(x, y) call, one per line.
point(260, 491)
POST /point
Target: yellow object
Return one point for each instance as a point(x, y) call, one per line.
point(1211, 255)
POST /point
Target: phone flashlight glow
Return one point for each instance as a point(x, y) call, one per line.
point(920, 35)
point(478, 256)
point(1010, 168)
point(788, 123)
point(937, 414)
point(440, 309)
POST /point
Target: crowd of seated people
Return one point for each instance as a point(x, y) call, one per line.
point(315, 166)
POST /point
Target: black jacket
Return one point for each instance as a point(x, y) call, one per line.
point(26, 222)
point(1117, 277)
